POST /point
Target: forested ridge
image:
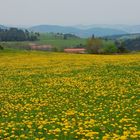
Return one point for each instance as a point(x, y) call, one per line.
point(15, 34)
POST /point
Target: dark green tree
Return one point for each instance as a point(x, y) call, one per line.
point(94, 45)
point(1, 48)
point(14, 34)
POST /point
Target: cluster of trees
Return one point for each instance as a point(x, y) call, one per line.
point(69, 36)
point(80, 46)
point(100, 46)
point(132, 44)
point(64, 36)
point(14, 34)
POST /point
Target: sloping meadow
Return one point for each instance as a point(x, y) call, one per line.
point(67, 96)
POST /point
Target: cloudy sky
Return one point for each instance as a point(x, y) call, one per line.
point(69, 12)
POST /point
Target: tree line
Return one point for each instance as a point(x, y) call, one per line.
point(15, 34)
point(101, 46)
point(133, 44)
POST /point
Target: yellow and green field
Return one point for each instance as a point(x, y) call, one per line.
point(47, 96)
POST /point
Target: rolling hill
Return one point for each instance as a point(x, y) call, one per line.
point(124, 37)
point(123, 27)
point(3, 27)
point(99, 32)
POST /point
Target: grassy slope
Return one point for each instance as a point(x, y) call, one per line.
point(48, 39)
point(60, 43)
point(14, 44)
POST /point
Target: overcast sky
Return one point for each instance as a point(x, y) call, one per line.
point(69, 12)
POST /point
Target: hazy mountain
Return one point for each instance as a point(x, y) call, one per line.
point(123, 27)
point(127, 28)
point(133, 29)
point(124, 37)
point(54, 28)
point(87, 32)
point(2, 27)
point(100, 32)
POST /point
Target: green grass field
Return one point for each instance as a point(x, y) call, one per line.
point(60, 43)
point(46, 96)
point(47, 39)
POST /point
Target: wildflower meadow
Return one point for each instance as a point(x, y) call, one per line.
point(57, 96)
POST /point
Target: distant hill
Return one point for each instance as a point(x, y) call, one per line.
point(133, 44)
point(122, 27)
point(3, 27)
point(133, 29)
point(99, 32)
point(124, 36)
point(54, 29)
point(131, 41)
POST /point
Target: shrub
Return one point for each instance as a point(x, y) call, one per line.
point(1, 48)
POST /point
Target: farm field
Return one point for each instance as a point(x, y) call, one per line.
point(60, 43)
point(46, 39)
point(46, 96)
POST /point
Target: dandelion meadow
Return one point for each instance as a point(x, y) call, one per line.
point(46, 96)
